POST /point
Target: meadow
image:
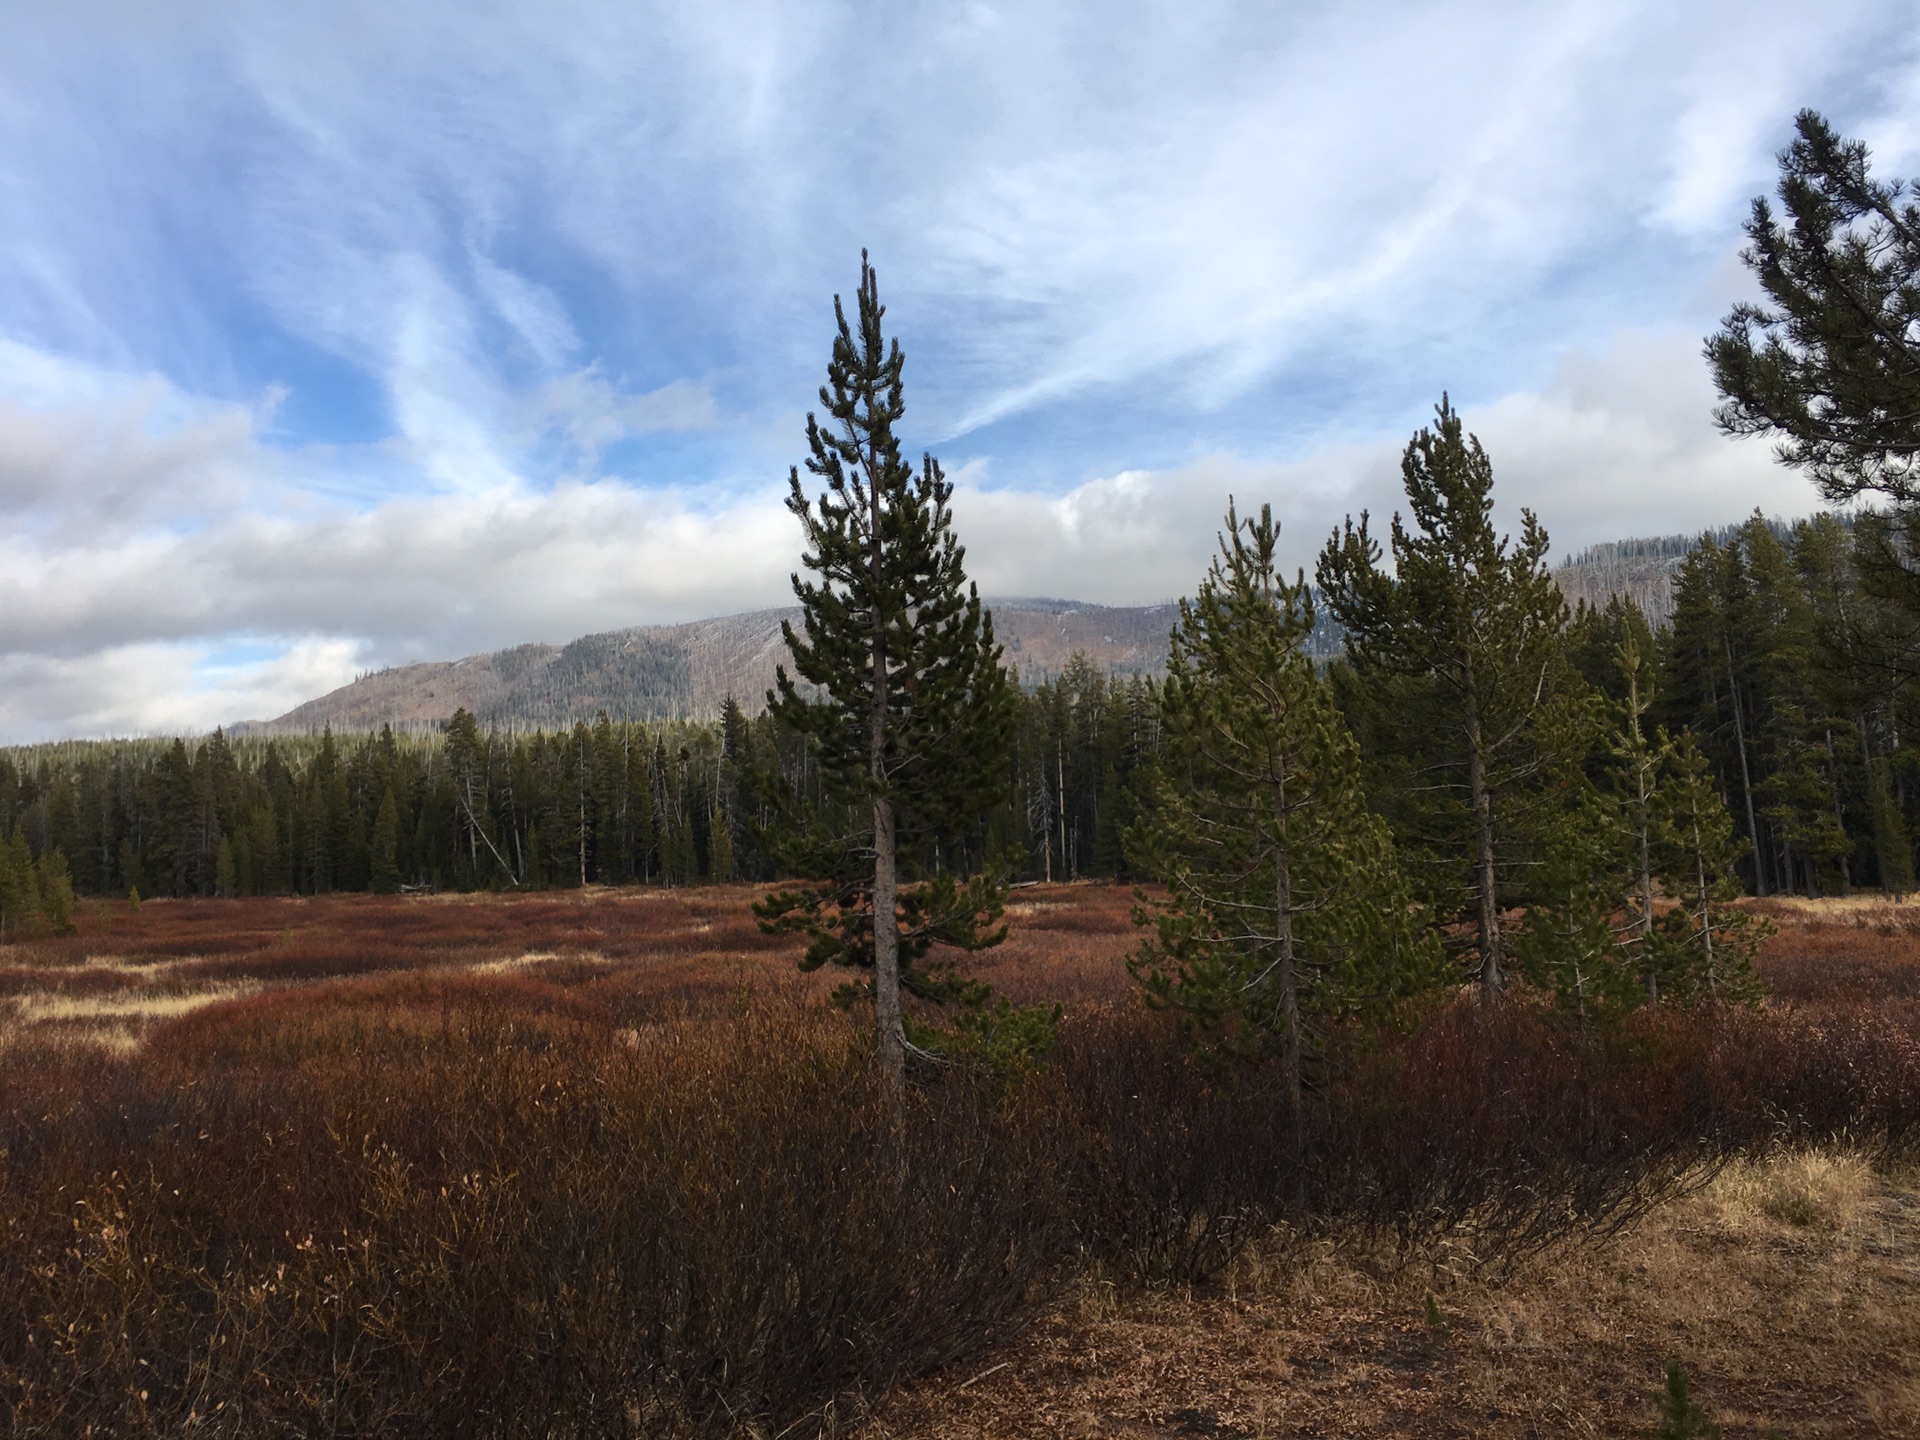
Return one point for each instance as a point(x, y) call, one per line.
point(604, 1163)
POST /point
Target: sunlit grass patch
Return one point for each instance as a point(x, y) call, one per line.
point(1801, 1187)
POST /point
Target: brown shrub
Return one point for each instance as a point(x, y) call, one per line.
point(414, 1013)
point(1841, 963)
point(307, 959)
point(651, 1185)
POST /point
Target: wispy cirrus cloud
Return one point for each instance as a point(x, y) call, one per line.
point(350, 333)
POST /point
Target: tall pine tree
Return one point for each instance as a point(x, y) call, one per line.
point(906, 706)
point(1473, 614)
point(1283, 895)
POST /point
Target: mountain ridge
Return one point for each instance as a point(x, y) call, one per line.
point(686, 671)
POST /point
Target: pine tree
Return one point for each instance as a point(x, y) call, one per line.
point(719, 848)
point(1641, 760)
point(909, 712)
point(1709, 677)
point(1471, 613)
point(1568, 942)
point(1831, 366)
point(385, 847)
point(57, 900)
point(1706, 948)
point(1283, 893)
point(1681, 1417)
point(19, 889)
point(1590, 933)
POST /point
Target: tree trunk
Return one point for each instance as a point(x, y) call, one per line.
point(1646, 894)
point(891, 1045)
point(1746, 776)
point(1706, 909)
point(891, 1040)
point(1060, 798)
point(1288, 982)
point(1492, 981)
point(1643, 818)
point(1839, 815)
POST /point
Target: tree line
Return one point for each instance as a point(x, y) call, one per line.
point(607, 803)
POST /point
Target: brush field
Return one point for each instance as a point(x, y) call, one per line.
point(605, 1163)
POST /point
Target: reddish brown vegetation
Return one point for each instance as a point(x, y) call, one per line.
point(1836, 954)
point(604, 1163)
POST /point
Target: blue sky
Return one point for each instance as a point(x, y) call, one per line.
point(338, 335)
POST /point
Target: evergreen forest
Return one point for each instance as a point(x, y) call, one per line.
point(1778, 660)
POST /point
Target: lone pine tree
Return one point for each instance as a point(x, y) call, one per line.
point(905, 705)
point(1475, 615)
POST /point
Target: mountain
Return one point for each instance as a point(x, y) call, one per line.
point(662, 672)
point(673, 672)
point(1641, 570)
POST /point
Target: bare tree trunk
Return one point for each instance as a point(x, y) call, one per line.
point(1492, 981)
point(1839, 815)
point(1060, 805)
point(1746, 776)
point(1706, 911)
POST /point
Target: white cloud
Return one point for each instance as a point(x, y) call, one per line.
point(84, 451)
point(595, 414)
point(108, 630)
point(1619, 443)
point(450, 230)
point(159, 689)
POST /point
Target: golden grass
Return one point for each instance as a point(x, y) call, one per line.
point(124, 1005)
point(1800, 1187)
point(1789, 1289)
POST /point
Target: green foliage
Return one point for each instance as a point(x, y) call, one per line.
point(19, 889)
point(1283, 895)
point(385, 875)
point(1703, 948)
point(1475, 623)
point(939, 910)
point(36, 895)
point(1681, 1417)
point(1829, 367)
point(1569, 943)
point(1006, 1039)
point(1796, 683)
point(719, 848)
point(906, 716)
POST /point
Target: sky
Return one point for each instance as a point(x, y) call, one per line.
point(341, 335)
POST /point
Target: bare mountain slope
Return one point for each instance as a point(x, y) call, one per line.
point(660, 672)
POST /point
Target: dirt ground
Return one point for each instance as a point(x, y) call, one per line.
point(1789, 1292)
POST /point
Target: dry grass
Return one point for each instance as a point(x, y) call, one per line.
point(645, 953)
point(1788, 1286)
point(1789, 1289)
point(1787, 1283)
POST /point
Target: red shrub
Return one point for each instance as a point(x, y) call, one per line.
point(413, 1013)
